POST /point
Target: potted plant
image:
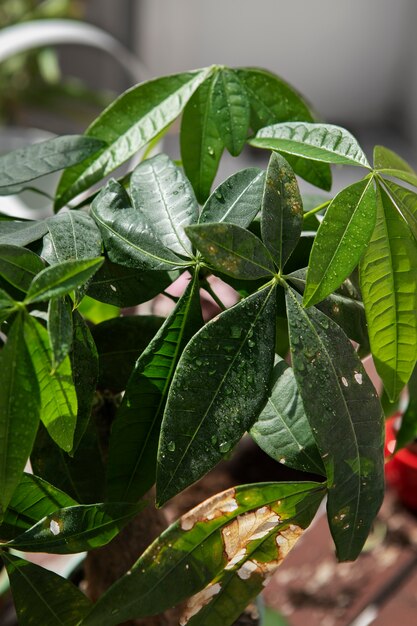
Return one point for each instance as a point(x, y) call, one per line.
point(106, 410)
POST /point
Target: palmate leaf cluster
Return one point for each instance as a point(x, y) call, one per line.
point(329, 290)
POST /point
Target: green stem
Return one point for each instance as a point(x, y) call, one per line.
point(317, 209)
point(207, 287)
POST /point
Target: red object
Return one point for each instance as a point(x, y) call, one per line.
point(400, 469)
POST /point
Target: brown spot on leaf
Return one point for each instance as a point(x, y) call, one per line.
point(197, 602)
point(210, 509)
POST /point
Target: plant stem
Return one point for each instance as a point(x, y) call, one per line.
point(317, 209)
point(207, 287)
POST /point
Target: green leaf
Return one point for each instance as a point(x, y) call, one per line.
point(22, 233)
point(389, 163)
point(232, 250)
point(76, 528)
point(59, 330)
point(59, 280)
point(318, 142)
point(32, 500)
point(406, 201)
point(72, 235)
point(163, 196)
point(81, 476)
point(388, 274)
point(237, 200)
point(19, 411)
point(127, 125)
point(272, 99)
point(84, 365)
point(191, 552)
point(282, 210)
point(346, 419)
point(26, 164)
point(43, 597)
point(219, 388)
point(135, 431)
point(408, 429)
point(58, 397)
point(341, 240)
point(124, 286)
point(345, 307)
point(231, 110)
point(282, 429)
point(19, 266)
point(6, 301)
point(315, 172)
point(201, 146)
point(128, 237)
point(120, 342)
point(224, 599)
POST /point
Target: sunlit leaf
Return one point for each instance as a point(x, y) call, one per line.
point(162, 194)
point(59, 329)
point(26, 164)
point(72, 235)
point(406, 201)
point(58, 397)
point(201, 146)
point(319, 142)
point(388, 273)
point(19, 411)
point(346, 419)
point(219, 388)
point(127, 125)
point(387, 162)
point(237, 200)
point(341, 240)
point(241, 519)
point(22, 233)
point(231, 109)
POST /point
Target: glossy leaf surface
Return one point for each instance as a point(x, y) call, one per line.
point(237, 200)
point(59, 329)
point(282, 430)
point(389, 163)
point(26, 164)
point(388, 273)
point(120, 342)
point(127, 125)
point(406, 201)
point(72, 235)
point(282, 210)
point(43, 597)
point(32, 500)
point(341, 240)
point(220, 385)
point(19, 411)
point(76, 528)
point(232, 250)
point(135, 431)
point(319, 142)
point(196, 547)
point(128, 237)
point(201, 146)
point(346, 419)
point(59, 280)
point(163, 195)
point(58, 397)
point(232, 110)
point(19, 266)
point(125, 286)
point(317, 173)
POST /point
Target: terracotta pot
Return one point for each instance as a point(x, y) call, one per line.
point(401, 468)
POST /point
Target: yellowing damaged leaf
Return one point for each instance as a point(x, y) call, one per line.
point(210, 509)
